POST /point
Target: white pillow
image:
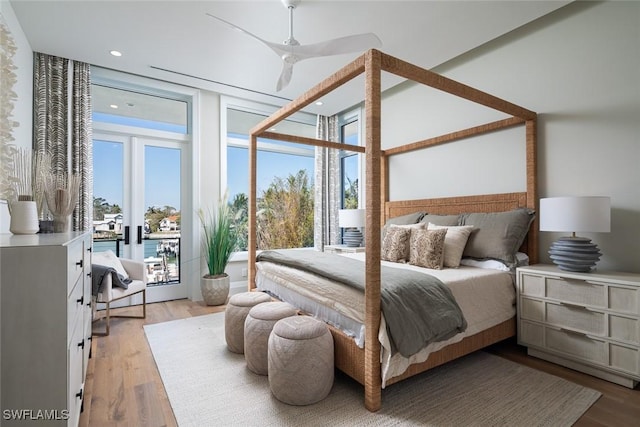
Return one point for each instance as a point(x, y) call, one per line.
point(109, 259)
point(454, 242)
point(523, 259)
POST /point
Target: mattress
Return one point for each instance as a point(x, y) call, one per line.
point(485, 296)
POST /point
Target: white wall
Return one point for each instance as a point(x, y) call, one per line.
point(22, 110)
point(578, 68)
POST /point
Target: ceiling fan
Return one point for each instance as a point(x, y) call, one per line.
point(291, 51)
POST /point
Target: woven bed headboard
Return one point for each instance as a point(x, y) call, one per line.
point(468, 204)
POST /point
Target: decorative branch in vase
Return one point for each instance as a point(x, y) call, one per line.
point(61, 193)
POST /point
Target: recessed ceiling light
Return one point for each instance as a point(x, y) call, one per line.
point(115, 53)
point(273, 129)
point(319, 103)
point(114, 106)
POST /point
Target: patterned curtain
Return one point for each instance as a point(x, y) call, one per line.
point(62, 124)
point(327, 185)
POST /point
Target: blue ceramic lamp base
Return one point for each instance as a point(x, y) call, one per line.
point(577, 254)
point(352, 237)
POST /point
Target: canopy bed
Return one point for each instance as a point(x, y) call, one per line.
point(364, 364)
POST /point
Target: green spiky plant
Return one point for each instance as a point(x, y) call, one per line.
point(219, 239)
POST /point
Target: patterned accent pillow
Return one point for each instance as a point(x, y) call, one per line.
point(427, 248)
point(394, 245)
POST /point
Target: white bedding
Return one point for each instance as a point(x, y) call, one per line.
point(485, 296)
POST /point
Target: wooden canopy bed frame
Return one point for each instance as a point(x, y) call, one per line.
point(364, 364)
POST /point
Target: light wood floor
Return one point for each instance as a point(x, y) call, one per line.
point(124, 387)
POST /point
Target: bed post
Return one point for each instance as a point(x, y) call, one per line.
point(532, 185)
point(252, 231)
point(372, 374)
point(384, 187)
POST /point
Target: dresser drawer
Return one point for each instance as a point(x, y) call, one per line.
point(75, 308)
point(75, 261)
point(75, 387)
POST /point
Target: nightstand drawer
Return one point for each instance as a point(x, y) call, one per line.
point(577, 344)
point(576, 317)
point(576, 291)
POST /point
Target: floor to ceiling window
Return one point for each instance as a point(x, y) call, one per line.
point(285, 176)
point(141, 152)
point(350, 161)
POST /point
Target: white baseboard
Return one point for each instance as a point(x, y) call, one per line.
point(238, 287)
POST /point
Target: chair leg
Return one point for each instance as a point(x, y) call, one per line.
point(109, 316)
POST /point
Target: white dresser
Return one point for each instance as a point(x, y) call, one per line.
point(589, 322)
point(45, 307)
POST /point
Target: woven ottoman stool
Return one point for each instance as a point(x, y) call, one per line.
point(300, 360)
point(257, 328)
point(236, 313)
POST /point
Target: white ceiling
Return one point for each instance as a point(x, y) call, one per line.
point(175, 41)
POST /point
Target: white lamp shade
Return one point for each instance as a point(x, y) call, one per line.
point(351, 218)
point(574, 214)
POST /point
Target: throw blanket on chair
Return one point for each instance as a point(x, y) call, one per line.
point(98, 275)
point(418, 308)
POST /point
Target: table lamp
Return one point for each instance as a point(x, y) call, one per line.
point(351, 220)
point(575, 214)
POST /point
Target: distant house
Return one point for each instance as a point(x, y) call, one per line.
point(111, 223)
point(169, 223)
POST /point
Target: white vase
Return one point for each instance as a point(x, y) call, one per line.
point(215, 290)
point(24, 217)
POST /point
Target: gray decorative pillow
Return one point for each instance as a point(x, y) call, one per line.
point(412, 218)
point(394, 244)
point(499, 235)
point(447, 220)
point(427, 248)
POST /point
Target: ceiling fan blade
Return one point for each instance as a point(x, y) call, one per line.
point(347, 44)
point(277, 48)
point(285, 75)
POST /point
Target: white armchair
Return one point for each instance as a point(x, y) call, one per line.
point(109, 293)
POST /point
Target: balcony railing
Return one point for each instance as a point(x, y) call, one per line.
point(161, 257)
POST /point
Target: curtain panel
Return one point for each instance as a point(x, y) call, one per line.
point(327, 185)
point(62, 125)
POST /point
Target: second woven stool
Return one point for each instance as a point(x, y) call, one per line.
point(257, 328)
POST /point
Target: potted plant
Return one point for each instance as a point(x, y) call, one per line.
point(218, 243)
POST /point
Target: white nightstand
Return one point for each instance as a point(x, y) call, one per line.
point(589, 322)
point(343, 249)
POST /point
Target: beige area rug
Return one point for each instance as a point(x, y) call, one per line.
point(209, 386)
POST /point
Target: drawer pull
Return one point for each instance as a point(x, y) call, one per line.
point(80, 263)
point(570, 305)
point(571, 331)
point(89, 274)
point(81, 344)
point(80, 300)
point(79, 394)
point(89, 249)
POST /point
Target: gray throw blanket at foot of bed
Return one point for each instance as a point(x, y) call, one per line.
point(419, 309)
